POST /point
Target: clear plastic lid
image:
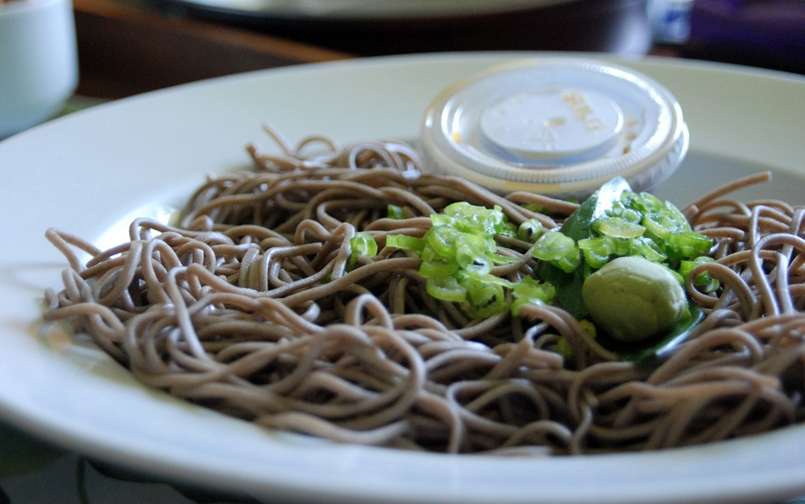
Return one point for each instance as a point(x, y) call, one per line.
point(556, 126)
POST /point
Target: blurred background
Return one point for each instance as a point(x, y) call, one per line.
point(131, 46)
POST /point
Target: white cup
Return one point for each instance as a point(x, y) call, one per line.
point(38, 61)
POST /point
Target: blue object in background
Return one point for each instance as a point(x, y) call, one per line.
point(669, 20)
point(764, 33)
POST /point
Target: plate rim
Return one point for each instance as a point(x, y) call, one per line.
point(363, 10)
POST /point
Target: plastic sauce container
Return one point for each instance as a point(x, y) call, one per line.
point(555, 126)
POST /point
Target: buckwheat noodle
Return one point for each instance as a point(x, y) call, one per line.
point(248, 306)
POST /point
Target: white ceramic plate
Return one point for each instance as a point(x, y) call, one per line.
point(368, 9)
point(88, 172)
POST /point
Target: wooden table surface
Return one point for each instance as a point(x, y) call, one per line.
point(126, 49)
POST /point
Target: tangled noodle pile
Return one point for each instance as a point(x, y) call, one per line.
point(250, 306)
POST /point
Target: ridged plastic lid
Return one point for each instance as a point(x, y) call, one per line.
point(556, 126)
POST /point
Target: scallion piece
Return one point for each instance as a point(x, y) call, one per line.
point(436, 268)
point(704, 281)
point(405, 242)
point(559, 250)
point(531, 291)
point(530, 230)
point(618, 227)
point(395, 212)
point(647, 248)
point(687, 244)
point(362, 244)
point(446, 288)
point(596, 251)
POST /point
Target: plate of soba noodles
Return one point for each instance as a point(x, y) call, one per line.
point(267, 284)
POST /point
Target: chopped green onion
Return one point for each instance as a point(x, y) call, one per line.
point(631, 215)
point(536, 208)
point(552, 246)
point(362, 244)
point(687, 244)
point(673, 213)
point(569, 262)
point(620, 246)
point(530, 230)
point(703, 281)
point(482, 293)
point(485, 299)
point(647, 248)
point(458, 253)
point(643, 202)
point(488, 278)
point(618, 227)
point(531, 291)
point(660, 226)
point(596, 251)
point(446, 288)
point(442, 239)
point(436, 268)
point(405, 242)
point(559, 250)
point(471, 218)
point(395, 212)
point(442, 220)
point(471, 258)
point(502, 259)
point(509, 229)
point(530, 287)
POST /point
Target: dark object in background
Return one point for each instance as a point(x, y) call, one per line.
point(616, 26)
point(763, 33)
